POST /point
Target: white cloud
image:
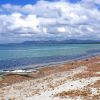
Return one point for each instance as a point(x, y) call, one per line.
point(61, 29)
point(91, 1)
point(50, 20)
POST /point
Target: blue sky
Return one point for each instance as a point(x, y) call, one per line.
point(18, 2)
point(23, 2)
point(27, 20)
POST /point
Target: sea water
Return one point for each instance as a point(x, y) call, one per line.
point(16, 56)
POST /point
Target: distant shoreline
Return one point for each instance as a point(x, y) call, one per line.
point(66, 41)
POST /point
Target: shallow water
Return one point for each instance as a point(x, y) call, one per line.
point(23, 55)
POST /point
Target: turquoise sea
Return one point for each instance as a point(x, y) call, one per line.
point(13, 56)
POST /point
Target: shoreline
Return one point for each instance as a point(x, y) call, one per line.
point(34, 68)
point(29, 70)
point(38, 66)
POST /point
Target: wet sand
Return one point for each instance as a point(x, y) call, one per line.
point(75, 80)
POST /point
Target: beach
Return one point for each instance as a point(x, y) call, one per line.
point(49, 49)
point(73, 80)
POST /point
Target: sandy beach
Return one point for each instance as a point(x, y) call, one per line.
point(76, 80)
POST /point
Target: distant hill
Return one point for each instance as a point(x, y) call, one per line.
point(70, 41)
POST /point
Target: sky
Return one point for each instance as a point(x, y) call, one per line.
point(27, 20)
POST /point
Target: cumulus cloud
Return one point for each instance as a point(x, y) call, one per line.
point(50, 20)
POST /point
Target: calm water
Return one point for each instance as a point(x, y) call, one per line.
point(21, 55)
